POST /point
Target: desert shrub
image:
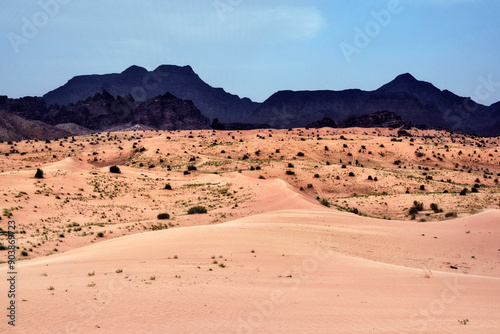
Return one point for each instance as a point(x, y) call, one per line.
point(290, 165)
point(163, 216)
point(419, 154)
point(351, 174)
point(289, 172)
point(474, 190)
point(39, 174)
point(3, 247)
point(422, 187)
point(100, 234)
point(464, 192)
point(344, 166)
point(309, 185)
point(261, 177)
point(24, 253)
point(370, 177)
point(316, 176)
point(191, 167)
point(114, 169)
point(186, 172)
point(168, 186)
point(300, 154)
point(197, 209)
point(450, 214)
point(435, 208)
point(418, 205)
point(325, 202)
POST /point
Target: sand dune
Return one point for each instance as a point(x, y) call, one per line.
point(305, 275)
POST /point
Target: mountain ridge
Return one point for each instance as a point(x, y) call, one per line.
point(142, 84)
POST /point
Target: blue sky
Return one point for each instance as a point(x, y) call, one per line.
point(254, 48)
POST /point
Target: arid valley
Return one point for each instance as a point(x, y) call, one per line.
point(262, 231)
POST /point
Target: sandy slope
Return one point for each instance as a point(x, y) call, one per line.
point(311, 272)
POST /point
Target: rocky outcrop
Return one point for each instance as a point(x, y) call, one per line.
point(181, 81)
point(13, 128)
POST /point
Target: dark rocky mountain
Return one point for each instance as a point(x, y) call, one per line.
point(381, 119)
point(127, 99)
point(13, 127)
point(416, 101)
point(103, 111)
point(27, 107)
point(142, 85)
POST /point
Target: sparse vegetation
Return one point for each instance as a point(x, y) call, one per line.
point(197, 210)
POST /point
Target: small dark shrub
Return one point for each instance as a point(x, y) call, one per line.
point(325, 202)
point(163, 216)
point(197, 209)
point(168, 186)
point(114, 169)
point(39, 174)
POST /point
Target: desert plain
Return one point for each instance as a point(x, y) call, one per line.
point(306, 231)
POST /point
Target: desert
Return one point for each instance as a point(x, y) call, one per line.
point(305, 230)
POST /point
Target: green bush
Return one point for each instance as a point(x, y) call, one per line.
point(163, 216)
point(197, 209)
